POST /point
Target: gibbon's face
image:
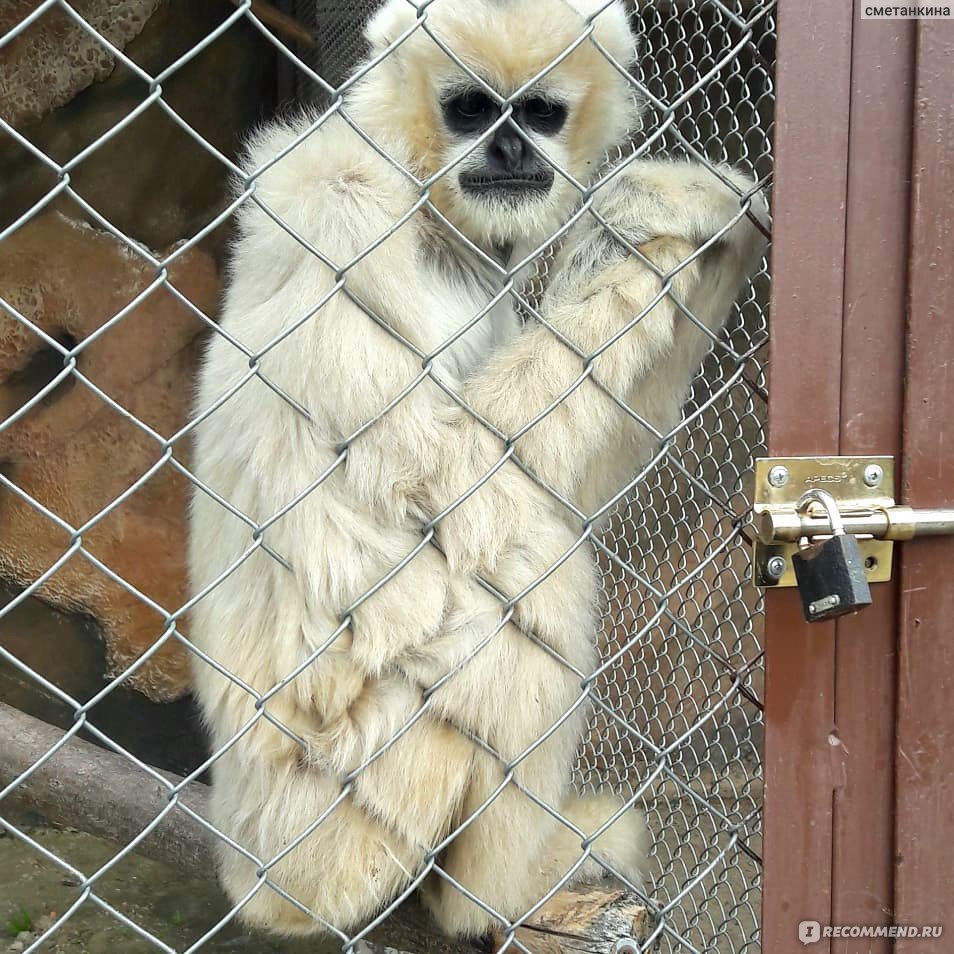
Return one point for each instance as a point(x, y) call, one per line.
point(508, 164)
point(510, 129)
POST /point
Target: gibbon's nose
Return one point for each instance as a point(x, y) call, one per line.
point(507, 152)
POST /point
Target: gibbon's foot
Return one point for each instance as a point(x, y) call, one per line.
point(623, 846)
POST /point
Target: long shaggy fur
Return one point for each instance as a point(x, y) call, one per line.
point(430, 673)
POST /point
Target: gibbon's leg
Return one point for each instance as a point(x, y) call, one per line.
point(520, 705)
point(344, 871)
point(408, 768)
point(268, 791)
point(494, 683)
point(266, 795)
point(528, 708)
point(623, 846)
point(403, 803)
point(510, 868)
point(262, 623)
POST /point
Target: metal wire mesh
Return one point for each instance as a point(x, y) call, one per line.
point(695, 675)
point(677, 720)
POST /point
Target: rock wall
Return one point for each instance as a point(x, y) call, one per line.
point(49, 63)
point(147, 175)
point(74, 454)
point(65, 273)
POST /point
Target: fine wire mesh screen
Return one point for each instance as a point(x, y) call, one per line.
point(686, 626)
point(116, 220)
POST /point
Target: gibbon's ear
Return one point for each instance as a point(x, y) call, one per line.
point(389, 23)
point(612, 28)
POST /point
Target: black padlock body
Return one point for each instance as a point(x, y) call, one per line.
point(830, 568)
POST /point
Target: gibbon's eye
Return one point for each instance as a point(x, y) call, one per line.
point(544, 115)
point(469, 111)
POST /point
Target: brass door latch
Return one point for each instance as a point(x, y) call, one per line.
point(863, 488)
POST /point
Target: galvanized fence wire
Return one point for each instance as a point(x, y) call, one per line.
point(676, 712)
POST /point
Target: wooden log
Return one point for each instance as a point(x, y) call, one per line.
point(105, 794)
point(99, 792)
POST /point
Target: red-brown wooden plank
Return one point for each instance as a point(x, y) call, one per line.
point(924, 879)
point(870, 422)
point(811, 143)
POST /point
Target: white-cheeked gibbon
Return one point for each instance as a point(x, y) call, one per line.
point(382, 702)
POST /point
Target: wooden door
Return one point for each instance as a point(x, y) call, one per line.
point(859, 813)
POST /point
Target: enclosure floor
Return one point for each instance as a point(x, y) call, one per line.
point(175, 910)
point(35, 891)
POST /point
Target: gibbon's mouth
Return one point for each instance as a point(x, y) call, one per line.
point(538, 182)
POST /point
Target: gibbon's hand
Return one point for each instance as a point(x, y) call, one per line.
point(658, 198)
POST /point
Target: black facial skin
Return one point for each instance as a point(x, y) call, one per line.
point(511, 165)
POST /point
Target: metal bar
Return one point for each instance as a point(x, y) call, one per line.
point(893, 523)
point(929, 523)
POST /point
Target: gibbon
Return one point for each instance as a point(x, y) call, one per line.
point(395, 599)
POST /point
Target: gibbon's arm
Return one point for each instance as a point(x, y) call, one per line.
point(601, 291)
point(426, 451)
point(345, 215)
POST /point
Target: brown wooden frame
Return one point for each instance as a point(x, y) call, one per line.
point(924, 766)
point(859, 807)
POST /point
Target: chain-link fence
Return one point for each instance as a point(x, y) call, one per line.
point(122, 124)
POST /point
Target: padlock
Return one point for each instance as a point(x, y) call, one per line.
point(830, 573)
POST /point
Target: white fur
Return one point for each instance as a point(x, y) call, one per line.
point(264, 620)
